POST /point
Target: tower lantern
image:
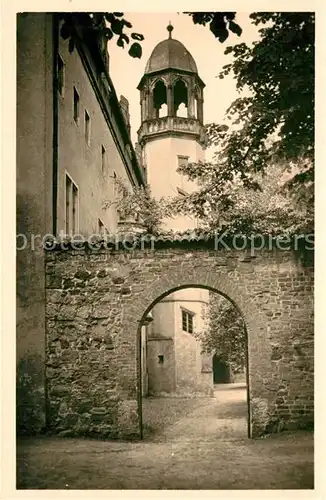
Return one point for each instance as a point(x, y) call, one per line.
point(171, 83)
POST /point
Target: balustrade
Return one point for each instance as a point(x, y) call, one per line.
point(169, 123)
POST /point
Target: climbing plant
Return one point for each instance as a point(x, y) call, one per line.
point(136, 204)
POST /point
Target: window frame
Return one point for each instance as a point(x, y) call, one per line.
point(189, 326)
point(182, 157)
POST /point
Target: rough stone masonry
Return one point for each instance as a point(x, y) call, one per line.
point(97, 298)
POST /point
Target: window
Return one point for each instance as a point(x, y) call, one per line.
point(61, 76)
point(87, 128)
point(115, 186)
point(160, 99)
point(103, 156)
point(183, 160)
point(76, 106)
point(187, 321)
point(71, 216)
point(180, 98)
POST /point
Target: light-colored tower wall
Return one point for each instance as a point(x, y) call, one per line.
point(162, 157)
point(161, 162)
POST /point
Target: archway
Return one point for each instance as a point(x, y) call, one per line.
point(179, 269)
point(180, 99)
point(160, 99)
point(164, 356)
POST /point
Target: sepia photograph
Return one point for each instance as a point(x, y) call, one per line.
point(165, 250)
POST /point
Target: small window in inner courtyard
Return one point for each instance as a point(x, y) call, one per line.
point(161, 358)
point(187, 321)
point(87, 128)
point(61, 76)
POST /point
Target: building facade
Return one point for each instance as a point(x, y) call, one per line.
point(73, 141)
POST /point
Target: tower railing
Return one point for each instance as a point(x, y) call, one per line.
point(170, 124)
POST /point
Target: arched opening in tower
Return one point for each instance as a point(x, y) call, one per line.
point(160, 100)
point(196, 108)
point(180, 99)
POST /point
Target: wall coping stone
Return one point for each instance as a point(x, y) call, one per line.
point(194, 239)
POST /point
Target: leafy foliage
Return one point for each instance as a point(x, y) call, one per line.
point(138, 205)
point(113, 24)
point(106, 25)
point(228, 204)
point(220, 23)
point(224, 332)
point(277, 120)
point(262, 204)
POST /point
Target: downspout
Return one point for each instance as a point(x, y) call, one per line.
point(55, 34)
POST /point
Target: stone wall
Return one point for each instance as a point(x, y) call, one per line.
point(96, 299)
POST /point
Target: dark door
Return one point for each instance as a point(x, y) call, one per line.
point(221, 372)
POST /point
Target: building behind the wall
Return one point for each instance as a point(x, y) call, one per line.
point(175, 362)
point(73, 139)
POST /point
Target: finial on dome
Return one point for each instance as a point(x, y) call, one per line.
point(170, 29)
